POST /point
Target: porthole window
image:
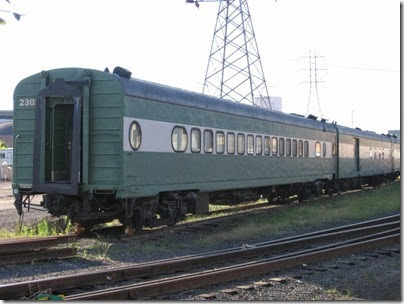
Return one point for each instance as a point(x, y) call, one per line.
point(250, 144)
point(288, 147)
point(294, 147)
point(219, 142)
point(306, 148)
point(324, 150)
point(281, 147)
point(300, 148)
point(231, 143)
point(208, 141)
point(318, 149)
point(274, 146)
point(240, 143)
point(135, 135)
point(179, 139)
point(267, 143)
point(195, 140)
point(258, 145)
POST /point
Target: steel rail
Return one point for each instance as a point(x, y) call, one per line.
point(42, 254)
point(15, 245)
point(161, 266)
point(241, 271)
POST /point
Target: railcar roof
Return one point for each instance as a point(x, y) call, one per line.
point(154, 91)
point(149, 90)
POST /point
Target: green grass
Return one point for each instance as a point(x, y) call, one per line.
point(342, 208)
point(43, 227)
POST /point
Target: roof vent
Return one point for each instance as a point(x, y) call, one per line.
point(122, 72)
point(312, 117)
point(359, 129)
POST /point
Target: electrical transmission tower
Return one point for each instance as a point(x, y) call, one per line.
point(313, 81)
point(234, 68)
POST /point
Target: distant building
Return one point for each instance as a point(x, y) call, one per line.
point(6, 156)
point(276, 102)
point(397, 132)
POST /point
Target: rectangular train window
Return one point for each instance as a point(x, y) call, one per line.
point(300, 148)
point(306, 148)
point(288, 147)
point(195, 140)
point(334, 150)
point(294, 147)
point(240, 143)
point(258, 145)
point(179, 139)
point(208, 141)
point(267, 142)
point(250, 144)
point(219, 142)
point(281, 146)
point(231, 143)
point(274, 146)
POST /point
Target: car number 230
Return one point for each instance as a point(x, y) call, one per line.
point(27, 102)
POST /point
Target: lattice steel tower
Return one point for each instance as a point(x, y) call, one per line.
point(234, 69)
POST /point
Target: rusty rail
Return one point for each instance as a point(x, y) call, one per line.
point(38, 255)
point(163, 266)
point(15, 245)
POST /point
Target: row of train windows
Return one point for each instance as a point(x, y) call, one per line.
point(237, 142)
point(379, 153)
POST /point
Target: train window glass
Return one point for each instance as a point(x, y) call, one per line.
point(380, 154)
point(219, 142)
point(288, 147)
point(383, 154)
point(306, 148)
point(281, 147)
point(324, 150)
point(208, 141)
point(334, 150)
point(370, 153)
point(240, 143)
point(300, 148)
point(179, 139)
point(195, 140)
point(318, 149)
point(231, 143)
point(258, 145)
point(250, 144)
point(135, 135)
point(274, 146)
point(267, 143)
point(294, 147)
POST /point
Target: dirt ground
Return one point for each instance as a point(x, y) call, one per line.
point(8, 214)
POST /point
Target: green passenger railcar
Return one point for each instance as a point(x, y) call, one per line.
point(100, 146)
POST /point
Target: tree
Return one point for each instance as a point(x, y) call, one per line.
point(16, 15)
point(3, 145)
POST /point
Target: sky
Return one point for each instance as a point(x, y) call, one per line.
point(168, 42)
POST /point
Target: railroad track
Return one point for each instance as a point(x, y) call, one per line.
point(356, 237)
point(21, 250)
